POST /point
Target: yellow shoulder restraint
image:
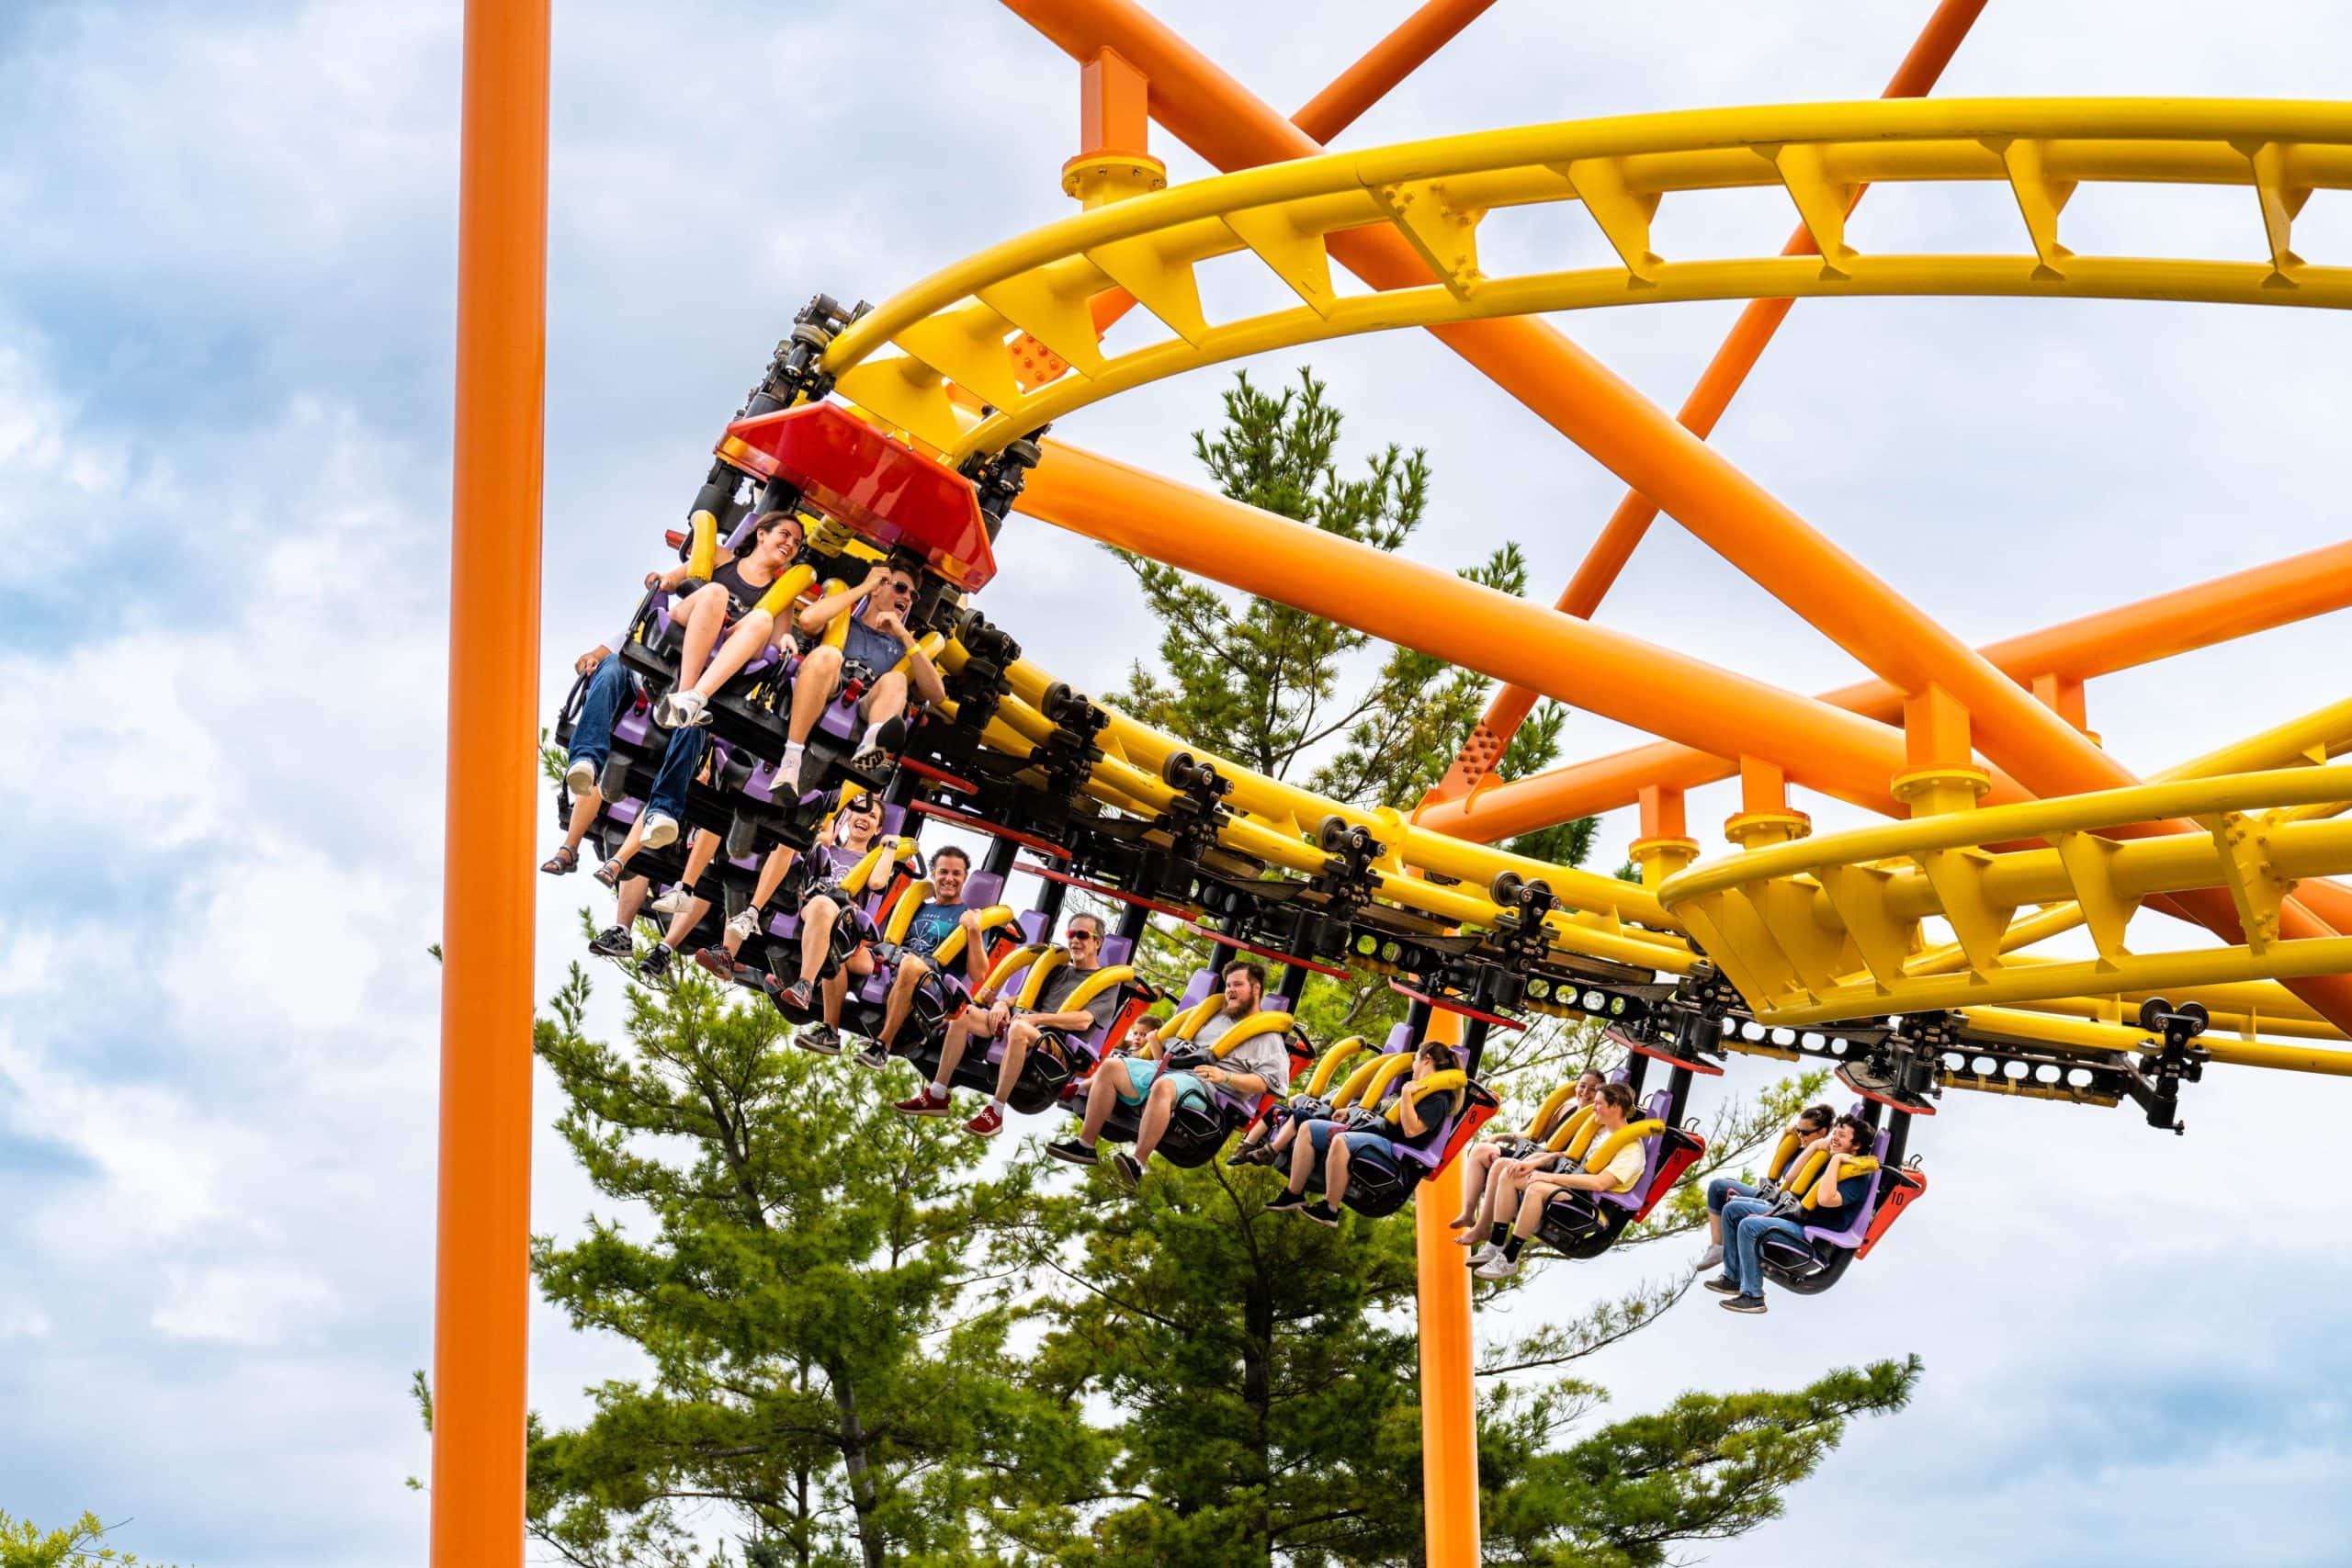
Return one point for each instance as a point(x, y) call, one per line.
point(1436, 1083)
point(1012, 964)
point(1328, 1067)
point(1859, 1165)
point(1540, 1124)
point(1650, 1127)
point(1047, 961)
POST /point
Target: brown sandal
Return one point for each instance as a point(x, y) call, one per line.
point(564, 863)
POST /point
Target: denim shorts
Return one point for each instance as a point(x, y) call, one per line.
point(1189, 1090)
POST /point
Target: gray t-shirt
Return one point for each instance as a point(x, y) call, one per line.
point(1265, 1056)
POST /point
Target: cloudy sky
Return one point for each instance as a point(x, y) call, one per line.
point(226, 242)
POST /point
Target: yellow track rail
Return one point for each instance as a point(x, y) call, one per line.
point(954, 326)
point(1828, 928)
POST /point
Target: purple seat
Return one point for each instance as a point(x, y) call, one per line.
point(1852, 1235)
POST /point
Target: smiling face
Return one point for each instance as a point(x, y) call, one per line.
point(860, 818)
point(947, 879)
point(894, 596)
point(777, 544)
point(1844, 1139)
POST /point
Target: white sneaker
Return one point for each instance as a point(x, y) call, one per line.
point(660, 830)
point(1497, 1268)
point(1486, 1253)
point(745, 925)
point(787, 774)
point(675, 901)
point(679, 710)
point(1711, 1257)
point(580, 778)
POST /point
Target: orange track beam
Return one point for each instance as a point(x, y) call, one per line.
point(1387, 63)
point(481, 1285)
point(1593, 407)
point(1915, 78)
point(1480, 628)
point(2201, 615)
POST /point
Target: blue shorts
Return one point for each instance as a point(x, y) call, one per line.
point(1189, 1090)
point(1362, 1146)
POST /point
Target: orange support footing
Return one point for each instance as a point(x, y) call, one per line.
point(482, 1281)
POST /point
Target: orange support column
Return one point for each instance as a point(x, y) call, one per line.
point(1764, 818)
point(1942, 774)
point(1666, 845)
point(481, 1285)
point(1449, 1381)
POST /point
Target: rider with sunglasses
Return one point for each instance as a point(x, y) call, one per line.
point(986, 1016)
point(879, 639)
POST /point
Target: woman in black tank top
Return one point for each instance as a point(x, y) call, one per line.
point(732, 595)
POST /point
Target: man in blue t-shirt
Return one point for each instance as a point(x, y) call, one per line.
point(878, 642)
point(940, 915)
point(1838, 1194)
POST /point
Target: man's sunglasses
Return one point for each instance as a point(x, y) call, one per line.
point(1084, 936)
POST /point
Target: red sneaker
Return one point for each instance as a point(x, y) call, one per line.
point(986, 1124)
point(930, 1102)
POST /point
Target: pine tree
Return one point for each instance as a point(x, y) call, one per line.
point(808, 1274)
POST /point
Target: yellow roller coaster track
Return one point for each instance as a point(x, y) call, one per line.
point(1822, 929)
point(954, 326)
point(1828, 928)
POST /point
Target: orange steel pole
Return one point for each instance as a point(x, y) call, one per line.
point(1387, 63)
point(1449, 1367)
point(1355, 90)
point(2201, 615)
point(1421, 607)
point(1938, 41)
point(481, 1294)
point(1592, 406)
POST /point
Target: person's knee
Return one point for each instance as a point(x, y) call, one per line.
point(710, 599)
point(823, 663)
point(820, 908)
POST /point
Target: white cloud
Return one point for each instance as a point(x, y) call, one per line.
point(258, 1307)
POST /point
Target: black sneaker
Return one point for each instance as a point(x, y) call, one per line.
point(1322, 1214)
point(874, 1054)
point(888, 742)
point(1127, 1170)
point(1743, 1303)
point(822, 1038)
point(792, 998)
point(1722, 1286)
point(655, 968)
point(1286, 1199)
point(613, 941)
point(1069, 1151)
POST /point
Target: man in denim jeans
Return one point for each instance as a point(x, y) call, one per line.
point(1839, 1192)
point(1811, 1126)
point(612, 689)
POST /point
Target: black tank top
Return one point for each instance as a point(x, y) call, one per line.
point(745, 592)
